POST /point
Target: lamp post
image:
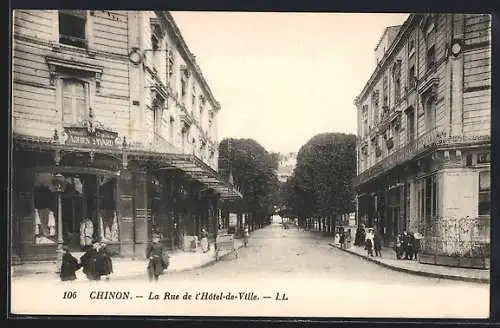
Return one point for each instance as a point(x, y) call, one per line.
point(58, 183)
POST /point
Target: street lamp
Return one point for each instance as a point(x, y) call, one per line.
point(58, 182)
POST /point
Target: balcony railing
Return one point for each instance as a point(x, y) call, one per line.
point(434, 137)
point(73, 41)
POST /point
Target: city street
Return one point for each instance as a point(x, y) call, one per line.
point(318, 280)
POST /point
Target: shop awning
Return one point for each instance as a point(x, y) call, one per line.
point(191, 165)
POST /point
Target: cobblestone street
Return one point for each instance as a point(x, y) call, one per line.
point(303, 264)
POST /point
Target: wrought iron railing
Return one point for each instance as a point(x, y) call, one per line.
point(80, 42)
point(434, 137)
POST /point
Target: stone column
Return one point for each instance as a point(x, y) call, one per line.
point(142, 214)
point(125, 212)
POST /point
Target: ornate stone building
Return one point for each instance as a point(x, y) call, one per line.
point(112, 121)
point(424, 135)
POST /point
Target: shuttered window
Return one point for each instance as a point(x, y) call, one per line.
point(75, 96)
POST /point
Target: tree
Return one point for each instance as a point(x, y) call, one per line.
point(253, 170)
point(326, 165)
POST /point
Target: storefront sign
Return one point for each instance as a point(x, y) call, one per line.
point(86, 137)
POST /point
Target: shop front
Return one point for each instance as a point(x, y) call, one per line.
point(75, 193)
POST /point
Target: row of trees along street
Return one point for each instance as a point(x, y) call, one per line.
point(254, 171)
point(320, 188)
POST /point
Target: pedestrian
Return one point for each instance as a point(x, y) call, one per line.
point(416, 237)
point(369, 242)
point(377, 243)
point(158, 259)
point(246, 234)
point(342, 239)
point(399, 246)
point(86, 234)
point(69, 265)
point(89, 262)
point(407, 246)
point(359, 238)
point(104, 262)
point(205, 247)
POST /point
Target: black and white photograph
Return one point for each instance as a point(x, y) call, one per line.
point(250, 164)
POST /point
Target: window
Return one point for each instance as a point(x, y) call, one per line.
point(385, 92)
point(411, 47)
point(75, 100)
point(183, 87)
point(412, 79)
point(428, 199)
point(170, 65)
point(484, 193)
point(430, 113)
point(410, 122)
point(193, 96)
point(171, 130)
point(158, 106)
point(396, 75)
point(72, 27)
point(431, 57)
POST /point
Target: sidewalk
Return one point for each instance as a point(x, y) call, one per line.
point(389, 260)
point(127, 268)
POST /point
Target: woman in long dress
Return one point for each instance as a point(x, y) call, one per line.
point(89, 262)
point(104, 262)
point(69, 266)
point(204, 240)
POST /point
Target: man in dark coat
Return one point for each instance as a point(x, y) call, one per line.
point(359, 238)
point(89, 262)
point(69, 265)
point(158, 259)
point(104, 262)
point(377, 243)
point(407, 246)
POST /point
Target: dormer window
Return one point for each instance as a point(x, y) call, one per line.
point(72, 28)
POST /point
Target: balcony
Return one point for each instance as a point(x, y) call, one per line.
point(432, 138)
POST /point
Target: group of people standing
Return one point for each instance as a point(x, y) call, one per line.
point(406, 246)
point(369, 238)
point(96, 263)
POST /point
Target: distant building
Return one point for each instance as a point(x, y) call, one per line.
point(286, 166)
point(423, 150)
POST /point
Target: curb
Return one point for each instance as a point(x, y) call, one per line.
point(135, 275)
point(415, 272)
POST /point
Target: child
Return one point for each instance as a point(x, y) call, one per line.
point(69, 266)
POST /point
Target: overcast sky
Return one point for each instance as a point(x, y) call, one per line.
point(282, 78)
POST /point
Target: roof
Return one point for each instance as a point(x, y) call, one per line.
point(387, 30)
point(402, 30)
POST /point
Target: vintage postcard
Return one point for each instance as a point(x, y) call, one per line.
point(250, 164)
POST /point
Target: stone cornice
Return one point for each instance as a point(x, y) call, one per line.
point(189, 56)
point(383, 64)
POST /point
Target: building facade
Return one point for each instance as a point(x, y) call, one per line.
point(112, 121)
point(287, 163)
point(423, 150)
